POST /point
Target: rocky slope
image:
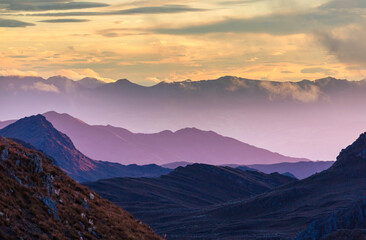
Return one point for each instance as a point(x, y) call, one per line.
point(39, 201)
point(163, 202)
point(347, 223)
point(40, 133)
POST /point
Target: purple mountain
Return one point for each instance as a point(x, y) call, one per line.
point(190, 145)
point(41, 135)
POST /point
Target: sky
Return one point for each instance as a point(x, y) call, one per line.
point(174, 40)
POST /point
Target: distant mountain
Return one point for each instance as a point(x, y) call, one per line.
point(318, 111)
point(164, 201)
point(300, 170)
point(326, 203)
point(174, 165)
point(185, 145)
point(6, 123)
point(90, 83)
point(39, 201)
point(288, 174)
point(40, 133)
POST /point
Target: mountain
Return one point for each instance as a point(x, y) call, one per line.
point(90, 82)
point(185, 145)
point(300, 170)
point(40, 133)
point(174, 165)
point(6, 123)
point(39, 201)
point(164, 201)
point(288, 174)
point(326, 203)
point(318, 111)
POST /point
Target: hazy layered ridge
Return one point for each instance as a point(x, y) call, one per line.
point(300, 170)
point(189, 144)
point(39, 201)
point(318, 111)
point(41, 134)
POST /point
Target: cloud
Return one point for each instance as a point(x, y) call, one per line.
point(15, 72)
point(345, 4)
point(286, 72)
point(69, 20)
point(240, 2)
point(131, 11)
point(121, 32)
point(9, 23)
point(276, 24)
point(236, 84)
point(77, 74)
point(349, 45)
point(40, 86)
point(43, 5)
point(305, 94)
point(326, 71)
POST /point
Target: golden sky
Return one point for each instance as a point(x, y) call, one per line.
point(148, 41)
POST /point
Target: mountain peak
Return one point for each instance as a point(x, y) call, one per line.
point(41, 134)
point(91, 83)
point(355, 151)
point(227, 78)
point(52, 116)
point(124, 81)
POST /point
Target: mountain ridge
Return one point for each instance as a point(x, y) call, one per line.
point(325, 205)
point(212, 104)
point(287, 211)
point(40, 133)
point(188, 144)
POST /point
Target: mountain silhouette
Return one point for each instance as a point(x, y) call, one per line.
point(40, 133)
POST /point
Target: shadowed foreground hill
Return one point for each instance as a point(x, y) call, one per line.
point(162, 202)
point(39, 201)
point(41, 134)
point(326, 203)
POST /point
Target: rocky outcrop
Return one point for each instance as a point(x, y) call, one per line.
point(35, 163)
point(344, 220)
point(4, 151)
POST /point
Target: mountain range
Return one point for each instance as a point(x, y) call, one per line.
point(114, 144)
point(189, 144)
point(298, 170)
point(327, 205)
point(41, 134)
point(164, 201)
point(39, 201)
point(318, 111)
